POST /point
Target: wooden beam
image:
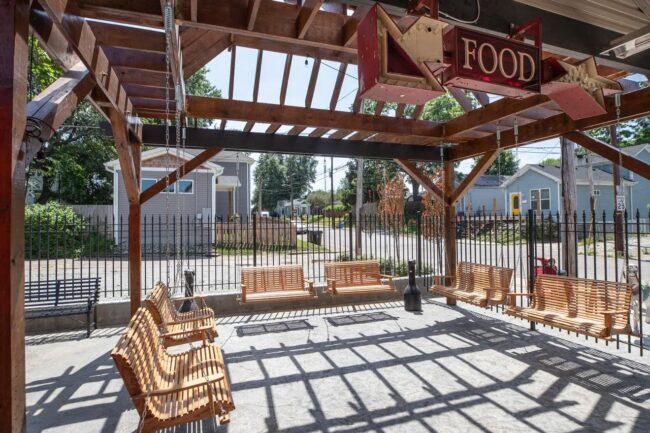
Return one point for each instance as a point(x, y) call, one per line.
point(215, 108)
point(253, 9)
point(477, 171)
point(422, 179)
point(449, 227)
point(633, 105)
point(379, 107)
point(205, 48)
point(141, 39)
point(233, 61)
point(350, 27)
point(461, 97)
point(307, 15)
point(258, 73)
point(491, 113)
point(312, 83)
point(135, 257)
point(58, 101)
point(399, 111)
point(417, 112)
point(336, 92)
point(127, 164)
point(13, 91)
point(177, 174)
point(273, 128)
point(610, 153)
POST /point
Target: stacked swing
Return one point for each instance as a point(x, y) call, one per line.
point(172, 389)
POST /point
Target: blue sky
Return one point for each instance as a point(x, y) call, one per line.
point(269, 92)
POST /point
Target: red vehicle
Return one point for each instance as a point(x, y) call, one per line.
point(548, 266)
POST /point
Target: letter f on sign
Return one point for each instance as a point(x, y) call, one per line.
point(470, 52)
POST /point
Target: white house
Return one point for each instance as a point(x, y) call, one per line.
point(300, 207)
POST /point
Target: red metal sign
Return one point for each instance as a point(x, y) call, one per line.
point(491, 64)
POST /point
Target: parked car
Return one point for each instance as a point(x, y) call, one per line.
point(300, 228)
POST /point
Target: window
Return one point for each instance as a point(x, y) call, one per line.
point(146, 183)
point(540, 199)
point(186, 186)
point(170, 189)
point(596, 192)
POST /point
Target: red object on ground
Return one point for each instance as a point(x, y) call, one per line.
point(548, 266)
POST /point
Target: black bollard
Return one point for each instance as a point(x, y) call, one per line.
point(189, 304)
point(412, 294)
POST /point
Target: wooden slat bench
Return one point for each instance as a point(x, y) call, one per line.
point(176, 327)
point(66, 297)
point(356, 278)
point(597, 308)
point(477, 284)
point(168, 390)
point(275, 283)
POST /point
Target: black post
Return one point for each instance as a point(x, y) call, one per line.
point(255, 239)
point(332, 192)
point(351, 236)
point(531, 256)
point(189, 304)
point(418, 231)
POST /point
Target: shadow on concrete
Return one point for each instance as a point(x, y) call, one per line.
point(273, 328)
point(354, 319)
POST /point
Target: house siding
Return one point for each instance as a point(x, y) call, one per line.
point(242, 198)
point(481, 201)
point(527, 182)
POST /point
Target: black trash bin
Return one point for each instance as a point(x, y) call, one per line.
point(315, 236)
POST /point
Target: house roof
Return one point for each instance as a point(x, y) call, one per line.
point(490, 180)
point(600, 177)
point(226, 156)
point(630, 150)
point(227, 183)
point(154, 153)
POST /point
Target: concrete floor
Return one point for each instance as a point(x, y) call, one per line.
point(371, 368)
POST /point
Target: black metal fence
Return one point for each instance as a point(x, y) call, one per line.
point(217, 250)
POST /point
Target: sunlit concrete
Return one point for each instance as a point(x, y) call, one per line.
point(368, 368)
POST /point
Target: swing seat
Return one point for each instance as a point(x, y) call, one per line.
point(356, 278)
point(169, 390)
point(476, 284)
point(176, 327)
point(275, 284)
point(595, 308)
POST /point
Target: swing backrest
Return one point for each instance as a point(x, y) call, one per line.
point(160, 304)
point(476, 277)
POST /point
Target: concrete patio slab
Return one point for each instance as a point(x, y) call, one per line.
point(368, 368)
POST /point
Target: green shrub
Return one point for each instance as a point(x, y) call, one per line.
point(55, 231)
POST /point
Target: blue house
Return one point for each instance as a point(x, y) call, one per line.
point(485, 197)
point(641, 190)
point(540, 188)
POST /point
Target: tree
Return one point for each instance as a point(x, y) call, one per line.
point(318, 199)
point(373, 176)
point(550, 162)
point(279, 177)
point(506, 164)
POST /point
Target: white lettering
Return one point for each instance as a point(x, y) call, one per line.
point(469, 53)
point(502, 66)
point(522, 68)
point(494, 58)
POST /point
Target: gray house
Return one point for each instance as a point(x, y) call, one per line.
point(217, 190)
point(540, 188)
point(641, 190)
point(485, 197)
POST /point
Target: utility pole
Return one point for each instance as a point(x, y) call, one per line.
point(619, 241)
point(590, 179)
point(569, 199)
point(259, 198)
point(359, 204)
point(332, 192)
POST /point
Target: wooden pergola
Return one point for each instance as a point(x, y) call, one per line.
point(115, 54)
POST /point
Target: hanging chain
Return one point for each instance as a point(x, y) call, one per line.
point(617, 103)
point(168, 42)
point(499, 150)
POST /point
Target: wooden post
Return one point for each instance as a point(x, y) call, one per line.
point(449, 226)
point(569, 199)
point(619, 241)
point(359, 205)
point(14, 16)
point(135, 244)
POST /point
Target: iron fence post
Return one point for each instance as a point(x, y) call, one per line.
point(254, 240)
point(531, 256)
point(350, 236)
point(418, 234)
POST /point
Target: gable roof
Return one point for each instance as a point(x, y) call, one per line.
point(490, 180)
point(600, 177)
point(630, 150)
point(226, 156)
point(154, 153)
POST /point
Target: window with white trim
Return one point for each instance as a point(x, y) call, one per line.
point(540, 199)
point(186, 186)
point(146, 183)
point(596, 192)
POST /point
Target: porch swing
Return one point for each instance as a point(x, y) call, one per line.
point(169, 390)
point(474, 283)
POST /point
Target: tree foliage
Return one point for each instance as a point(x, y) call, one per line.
point(628, 133)
point(550, 162)
point(280, 176)
point(373, 176)
point(506, 164)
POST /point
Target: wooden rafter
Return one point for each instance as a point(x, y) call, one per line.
point(186, 168)
point(399, 111)
point(296, 130)
point(125, 156)
point(462, 99)
point(336, 92)
point(350, 27)
point(424, 180)
point(214, 108)
point(610, 153)
point(417, 112)
point(312, 83)
point(307, 16)
point(273, 128)
point(285, 78)
point(258, 73)
point(231, 81)
point(253, 10)
point(203, 49)
point(477, 171)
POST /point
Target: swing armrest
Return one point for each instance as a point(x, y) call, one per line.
point(199, 299)
point(191, 319)
point(310, 286)
point(186, 331)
